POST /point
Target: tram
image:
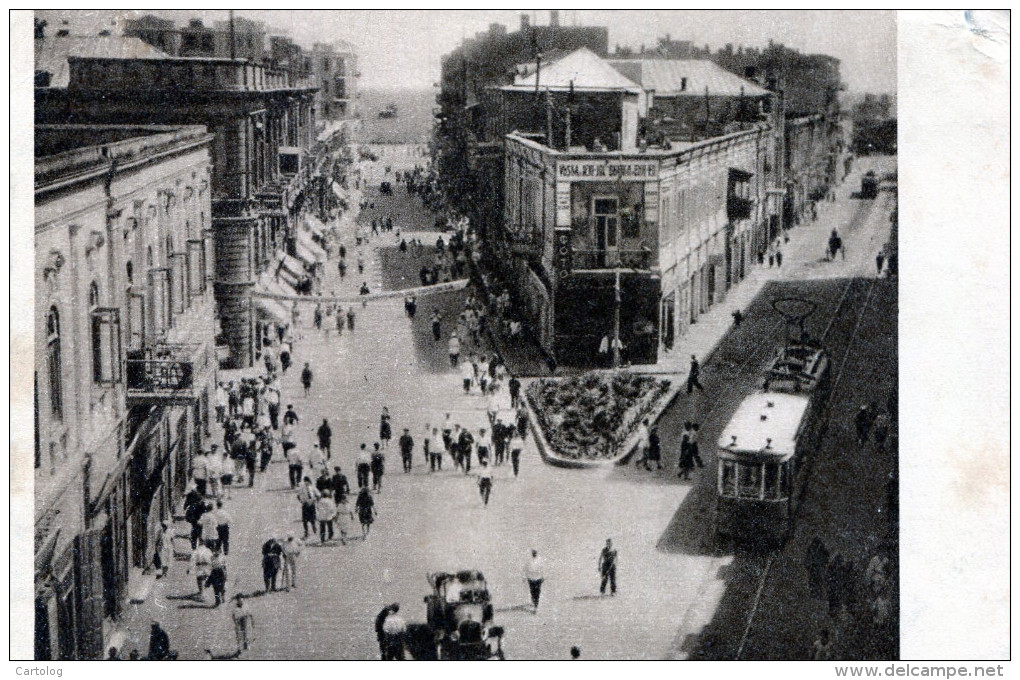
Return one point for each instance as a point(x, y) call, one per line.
point(759, 455)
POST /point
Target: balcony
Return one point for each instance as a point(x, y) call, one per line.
point(166, 377)
point(638, 260)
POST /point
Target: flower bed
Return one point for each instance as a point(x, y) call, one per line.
point(588, 417)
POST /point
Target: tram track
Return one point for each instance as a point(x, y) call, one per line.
point(761, 350)
point(824, 419)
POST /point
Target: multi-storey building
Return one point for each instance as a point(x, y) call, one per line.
point(264, 126)
point(335, 74)
point(634, 242)
point(124, 362)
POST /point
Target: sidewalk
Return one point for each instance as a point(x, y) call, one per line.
point(803, 258)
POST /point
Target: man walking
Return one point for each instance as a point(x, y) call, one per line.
point(454, 349)
point(437, 321)
point(223, 527)
point(364, 466)
point(514, 385)
point(306, 378)
point(692, 376)
point(406, 448)
point(340, 486)
point(325, 435)
point(516, 447)
point(534, 573)
point(307, 496)
point(291, 552)
point(607, 568)
point(380, 619)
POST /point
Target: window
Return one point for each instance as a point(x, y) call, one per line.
point(179, 282)
point(750, 480)
point(105, 340)
point(196, 266)
point(53, 363)
point(728, 478)
point(607, 222)
point(136, 320)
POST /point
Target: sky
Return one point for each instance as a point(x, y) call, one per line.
point(403, 48)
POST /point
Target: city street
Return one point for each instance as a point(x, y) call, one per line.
point(430, 522)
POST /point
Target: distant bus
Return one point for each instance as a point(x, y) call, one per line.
point(760, 453)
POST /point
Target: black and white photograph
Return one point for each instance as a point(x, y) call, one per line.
point(494, 335)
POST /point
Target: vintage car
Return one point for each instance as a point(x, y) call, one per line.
point(459, 614)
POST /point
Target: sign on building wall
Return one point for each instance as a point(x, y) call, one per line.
point(600, 170)
point(562, 204)
point(563, 253)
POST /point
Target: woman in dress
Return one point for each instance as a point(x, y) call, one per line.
point(366, 510)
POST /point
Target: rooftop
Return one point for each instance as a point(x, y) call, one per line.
point(682, 77)
point(582, 69)
point(73, 151)
point(51, 53)
point(766, 420)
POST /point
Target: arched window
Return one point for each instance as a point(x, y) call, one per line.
point(54, 366)
point(130, 272)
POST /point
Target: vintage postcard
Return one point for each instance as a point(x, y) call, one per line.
point(511, 334)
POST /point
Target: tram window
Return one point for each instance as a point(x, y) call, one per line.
point(728, 478)
point(750, 481)
point(784, 480)
point(773, 490)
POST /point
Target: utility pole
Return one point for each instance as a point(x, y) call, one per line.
point(548, 119)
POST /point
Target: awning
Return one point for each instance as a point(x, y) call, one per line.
point(305, 239)
point(288, 278)
point(292, 266)
point(304, 253)
point(273, 309)
point(271, 285)
point(315, 226)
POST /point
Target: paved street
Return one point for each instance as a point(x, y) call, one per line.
point(428, 522)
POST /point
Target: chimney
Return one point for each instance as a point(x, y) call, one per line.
point(554, 18)
point(525, 22)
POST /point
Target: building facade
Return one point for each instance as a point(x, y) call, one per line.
point(124, 362)
point(335, 74)
point(263, 122)
point(634, 245)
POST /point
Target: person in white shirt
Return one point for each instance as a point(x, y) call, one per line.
point(200, 472)
point(214, 472)
point(221, 403)
point(201, 565)
point(467, 373)
point(534, 574)
point(291, 552)
point(516, 447)
point(394, 629)
point(485, 482)
point(315, 461)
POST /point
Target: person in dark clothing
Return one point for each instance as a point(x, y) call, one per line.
point(364, 467)
point(350, 319)
point(324, 483)
point(325, 435)
point(607, 568)
point(514, 385)
point(423, 275)
point(378, 468)
point(654, 448)
point(464, 443)
point(272, 555)
point(692, 376)
point(306, 378)
point(250, 463)
point(159, 643)
point(339, 485)
point(863, 421)
point(290, 416)
point(816, 560)
point(693, 445)
point(437, 326)
point(193, 509)
point(380, 619)
point(406, 448)
point(385, 431)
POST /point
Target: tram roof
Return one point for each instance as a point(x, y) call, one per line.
point(762, 417)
